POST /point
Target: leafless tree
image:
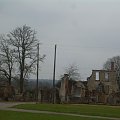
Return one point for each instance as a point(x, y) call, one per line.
point(116, 60)
point(73, 72)
point(6, 59)
point(23, 42)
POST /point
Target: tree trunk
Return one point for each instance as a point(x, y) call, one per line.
point(21, 82)
point(9, 81)
point(22, 68)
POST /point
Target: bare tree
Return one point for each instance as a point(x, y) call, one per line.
point(3, 79)
point(23, 41)
point(6, 58)
point(73, 72)
point(116, 60)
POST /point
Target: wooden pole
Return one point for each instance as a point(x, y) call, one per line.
point(54, 91)
point(37, 72)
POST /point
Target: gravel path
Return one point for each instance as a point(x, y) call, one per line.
point(7, 105)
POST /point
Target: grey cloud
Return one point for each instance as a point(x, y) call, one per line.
point(86, 31)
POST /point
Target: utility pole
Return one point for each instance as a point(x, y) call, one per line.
point(37, 72)
point(54, 90)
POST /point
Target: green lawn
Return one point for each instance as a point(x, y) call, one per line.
point(10, 115)
point(95, 110)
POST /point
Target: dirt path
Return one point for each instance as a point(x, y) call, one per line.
point(7, 105)
point(4, 105)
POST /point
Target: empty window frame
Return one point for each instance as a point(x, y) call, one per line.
point(106, 76)
point(97, 76)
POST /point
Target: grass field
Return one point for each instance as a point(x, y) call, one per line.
point(10, 115)
point(94, 110)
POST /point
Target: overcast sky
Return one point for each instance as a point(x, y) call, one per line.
point(86, 32)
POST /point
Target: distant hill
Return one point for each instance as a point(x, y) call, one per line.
point(42, 83)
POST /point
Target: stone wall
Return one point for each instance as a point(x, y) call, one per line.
point(104, 83)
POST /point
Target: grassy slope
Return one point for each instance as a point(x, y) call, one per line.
point(10, 115)
point(97, 110)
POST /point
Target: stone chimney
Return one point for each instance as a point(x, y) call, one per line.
point(66, 76)
point(112, 65)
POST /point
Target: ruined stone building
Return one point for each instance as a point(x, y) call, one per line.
point(100, 87)
point(63, 90)
point(101, 84)
point(71, 91)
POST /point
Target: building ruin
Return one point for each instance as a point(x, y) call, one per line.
point(100, 87)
